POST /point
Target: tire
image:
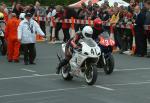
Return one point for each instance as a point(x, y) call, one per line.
point(92, 69)
point(66, 75)
point(109, 67)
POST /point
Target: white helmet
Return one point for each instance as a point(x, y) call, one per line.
point(22, 16)
point(87, 32)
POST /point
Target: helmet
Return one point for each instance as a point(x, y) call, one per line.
point(22, 16)
point(1, 16)
point(98, 24)
point(87, 32)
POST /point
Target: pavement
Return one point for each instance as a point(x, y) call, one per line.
point(129, 83)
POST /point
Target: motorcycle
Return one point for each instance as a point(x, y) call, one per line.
point(83, 62)
point(106, 60)
point(3, 45)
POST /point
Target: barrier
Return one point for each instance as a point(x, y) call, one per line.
point(38, 37)
point(89, 22)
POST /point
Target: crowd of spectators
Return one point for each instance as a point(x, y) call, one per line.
point(115, 15)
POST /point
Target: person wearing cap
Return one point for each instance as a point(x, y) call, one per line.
point(27, 30)
point(13, 44)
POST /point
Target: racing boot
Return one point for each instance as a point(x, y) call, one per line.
point(61, 64)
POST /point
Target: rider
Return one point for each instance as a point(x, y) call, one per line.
point(97, 29)
point(86, 33)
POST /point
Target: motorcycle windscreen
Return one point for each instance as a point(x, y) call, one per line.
point(90, 42)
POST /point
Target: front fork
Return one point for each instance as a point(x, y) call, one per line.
point(103, 58)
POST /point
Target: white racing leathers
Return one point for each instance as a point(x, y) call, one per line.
point(27, 31)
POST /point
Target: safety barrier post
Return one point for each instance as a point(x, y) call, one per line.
point(133, 44)
point(53, 30)
point(38, 37)
point(72, 27)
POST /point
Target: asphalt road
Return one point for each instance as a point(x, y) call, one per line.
point(129, 83)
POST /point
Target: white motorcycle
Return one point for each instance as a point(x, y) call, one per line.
point(83, 62)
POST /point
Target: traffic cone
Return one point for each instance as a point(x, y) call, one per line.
point(133, 44)
point(38, 37)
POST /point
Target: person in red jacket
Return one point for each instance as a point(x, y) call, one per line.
point(13, 45)
point(66, 26)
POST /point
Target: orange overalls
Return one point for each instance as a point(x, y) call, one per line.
point(13, 45)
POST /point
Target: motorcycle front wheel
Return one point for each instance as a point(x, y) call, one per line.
point(91, 75)
point(109, 67)
point(65, 73)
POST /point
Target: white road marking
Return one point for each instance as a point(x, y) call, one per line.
point(126, 84)
point(29, 76)
point(32, 71)
point(132, 69)
point(44, 91)
point(121, 70)
point(102, 87)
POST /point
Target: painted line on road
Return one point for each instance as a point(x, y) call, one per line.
point(132, 69)
point(28, 70)
point(126, 84)
point(122, 70)
point(44, 91)
point(102, 87)
point(29, 76)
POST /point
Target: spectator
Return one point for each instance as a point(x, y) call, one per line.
point(127, 33)
point(4, 13)
point(113, 21)
point(12, 41)
point(27, 35)
point(96, 12)
point(40, 12)
point(5, 8)
point(52, 13)
point(66, 26)
point(140, 38)
point(106, 3)
point(116, 5)
point(147, 21)
point(18, 9)
point(58, 16)
point(131, 6)
point(90, 6)
point(83, 13)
